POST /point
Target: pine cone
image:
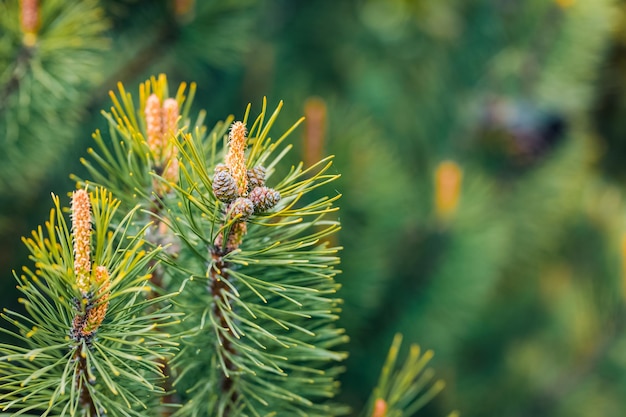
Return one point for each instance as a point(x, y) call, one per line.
point(224, 185)
point(264, 198)
point(241, 206)
point(256, 177)
point(221, 167)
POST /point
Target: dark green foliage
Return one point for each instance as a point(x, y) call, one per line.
point(518, 289)
point(41, 102)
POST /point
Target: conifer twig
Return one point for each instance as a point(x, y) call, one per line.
point(218, 286)
point(85, 398)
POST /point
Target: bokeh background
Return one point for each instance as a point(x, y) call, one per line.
point(482, 148)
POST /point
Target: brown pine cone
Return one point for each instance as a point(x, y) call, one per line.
point(224, 186)
point(264, 198)
point(256, 177)
point(241, 206)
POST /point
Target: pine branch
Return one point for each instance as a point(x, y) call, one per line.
point(250, 264)
point(250, 315)
point(86, 401)
point(245, 333)
point(403, 390)
point(99, 351)
point(218, 288)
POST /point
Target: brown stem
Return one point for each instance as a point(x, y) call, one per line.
point(170, 397)
point(85, 399)
point(217, 288)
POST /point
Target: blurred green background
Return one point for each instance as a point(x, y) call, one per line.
point(481, 145)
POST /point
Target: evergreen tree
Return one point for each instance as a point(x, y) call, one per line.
point(247, 266)
point(474, 217)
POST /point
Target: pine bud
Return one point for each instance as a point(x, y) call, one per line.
point(264, 198)
point(95, 315)
point(154, 126)
point(256, 177)
point(92, 309)
point(380, 408)
point(170, 117)
point(448, 179)
point(241, 207)
point(315, 122)
point(235, 158)
point(224, 185)
point(29, 20)
point(161, 127)
point(81, 236)
point(235, 237)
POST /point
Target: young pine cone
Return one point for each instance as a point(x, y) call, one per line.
point(256, 177)
point(224, 185)
point(264, 198)
point(241, 206)
point(235, 237)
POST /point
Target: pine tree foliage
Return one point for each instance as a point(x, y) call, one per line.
point(38, 95)
point(553, 195)
point(137, 175)
point(541, 209)
point(370, 168)
point(445, 249)
point(91, 350)
point(203, 34)
point(254, 263)
point(426, 93)
point(279, 296)
point(126, 163)
point(226, 24)
point(249, 331)
point(526, 240)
